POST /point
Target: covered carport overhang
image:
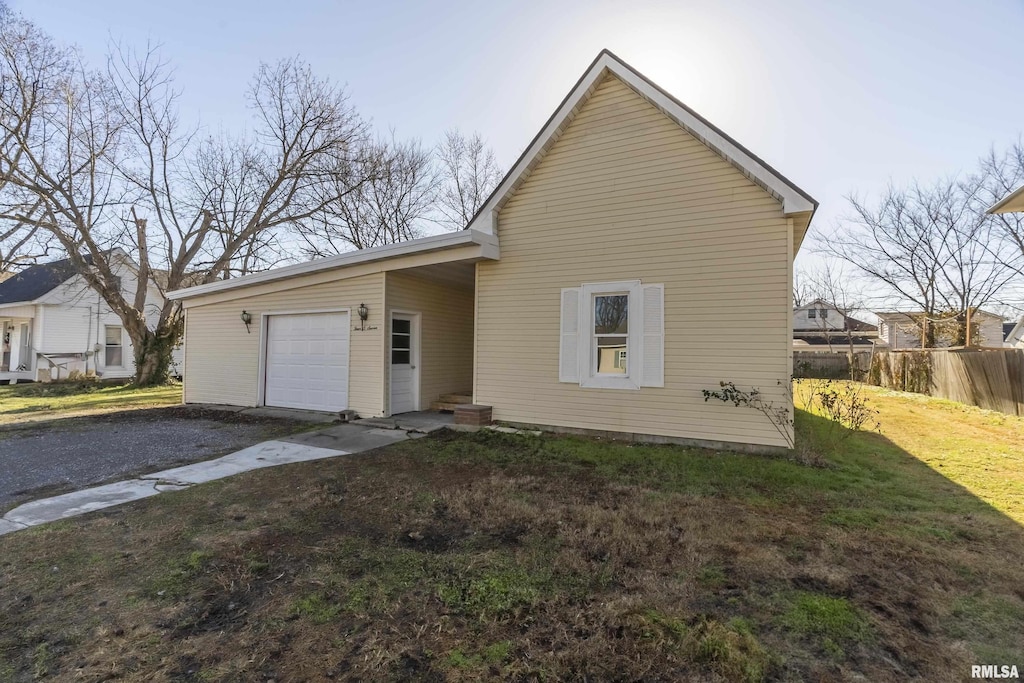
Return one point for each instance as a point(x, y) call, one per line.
point(465, 246)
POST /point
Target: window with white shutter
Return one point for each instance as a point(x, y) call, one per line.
point(613, 335)
point(609, 325)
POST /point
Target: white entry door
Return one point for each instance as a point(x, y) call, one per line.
point(404, 374)
point(307, 361)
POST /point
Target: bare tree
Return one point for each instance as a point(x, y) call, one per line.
point(469, 173)
point(998, 176)
point(396, 192)
point(802, 290)
point(107, 163)
point(834, 286)
point(926, 247)
point(20, 245)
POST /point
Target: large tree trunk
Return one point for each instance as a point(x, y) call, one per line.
point(152, 355)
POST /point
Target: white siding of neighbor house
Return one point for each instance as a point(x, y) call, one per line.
point(446, 332)
point(222, 360)
point(904, 335)
point(991, 332)
point(72, 318)
point(624, 194)
point(802, 321)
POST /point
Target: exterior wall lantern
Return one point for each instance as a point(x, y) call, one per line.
point(364, 313)
point(247, 319)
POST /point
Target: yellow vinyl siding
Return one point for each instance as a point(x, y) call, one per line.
point(222, 360)
point(446, 332)
point(625, 193)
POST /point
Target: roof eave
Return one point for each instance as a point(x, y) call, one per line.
point(1011, 203)
point(372, 254)
point(795, 202)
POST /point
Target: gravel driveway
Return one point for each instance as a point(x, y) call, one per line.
point(63, 455)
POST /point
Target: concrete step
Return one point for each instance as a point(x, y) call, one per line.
point(455, 398)
point(447, 402)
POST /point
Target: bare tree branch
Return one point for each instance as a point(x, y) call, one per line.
point(929, 248)
point(99, 161)
point(469, 173)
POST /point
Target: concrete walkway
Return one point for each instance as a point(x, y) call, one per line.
point(343, 439)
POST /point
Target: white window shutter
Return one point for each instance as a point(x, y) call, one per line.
point(568, 350)
point(653, 371)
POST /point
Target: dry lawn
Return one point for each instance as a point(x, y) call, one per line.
point(22, 403)
point(461, 557)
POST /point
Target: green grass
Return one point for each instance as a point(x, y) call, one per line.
point(317, 607)
point(981, 451)
point(22, 402)
point(825, 616)
point(493, 594)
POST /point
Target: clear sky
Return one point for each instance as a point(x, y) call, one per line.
point(838, 96)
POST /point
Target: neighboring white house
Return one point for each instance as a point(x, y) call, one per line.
point(53, 323)
point(820, 326)
point(818, 315)
point(900, 330)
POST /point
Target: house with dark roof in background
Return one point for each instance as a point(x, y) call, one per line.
point(52, 324)
point(821, 326)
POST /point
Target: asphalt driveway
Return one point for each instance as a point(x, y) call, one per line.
point(63, 455)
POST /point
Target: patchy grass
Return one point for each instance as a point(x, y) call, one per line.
point(488, 556)
point(32, 402)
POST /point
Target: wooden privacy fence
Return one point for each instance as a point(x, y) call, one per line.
point(831, 365)
point(988, 378)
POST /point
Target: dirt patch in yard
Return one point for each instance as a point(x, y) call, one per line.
point(462, 557)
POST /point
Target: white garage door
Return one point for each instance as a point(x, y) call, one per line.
point(307, 361)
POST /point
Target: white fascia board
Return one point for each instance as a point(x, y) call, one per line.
point(793, 200)
point(14, 305)
point(487, 242)
point(1010, 203)
point(1017, 332)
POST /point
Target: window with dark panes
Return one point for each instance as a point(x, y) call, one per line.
point(401, 341)
point(611, 332)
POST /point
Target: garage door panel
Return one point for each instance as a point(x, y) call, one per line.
point(307, 361)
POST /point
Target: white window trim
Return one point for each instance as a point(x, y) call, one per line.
point(589, 377)
point(119, 345)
